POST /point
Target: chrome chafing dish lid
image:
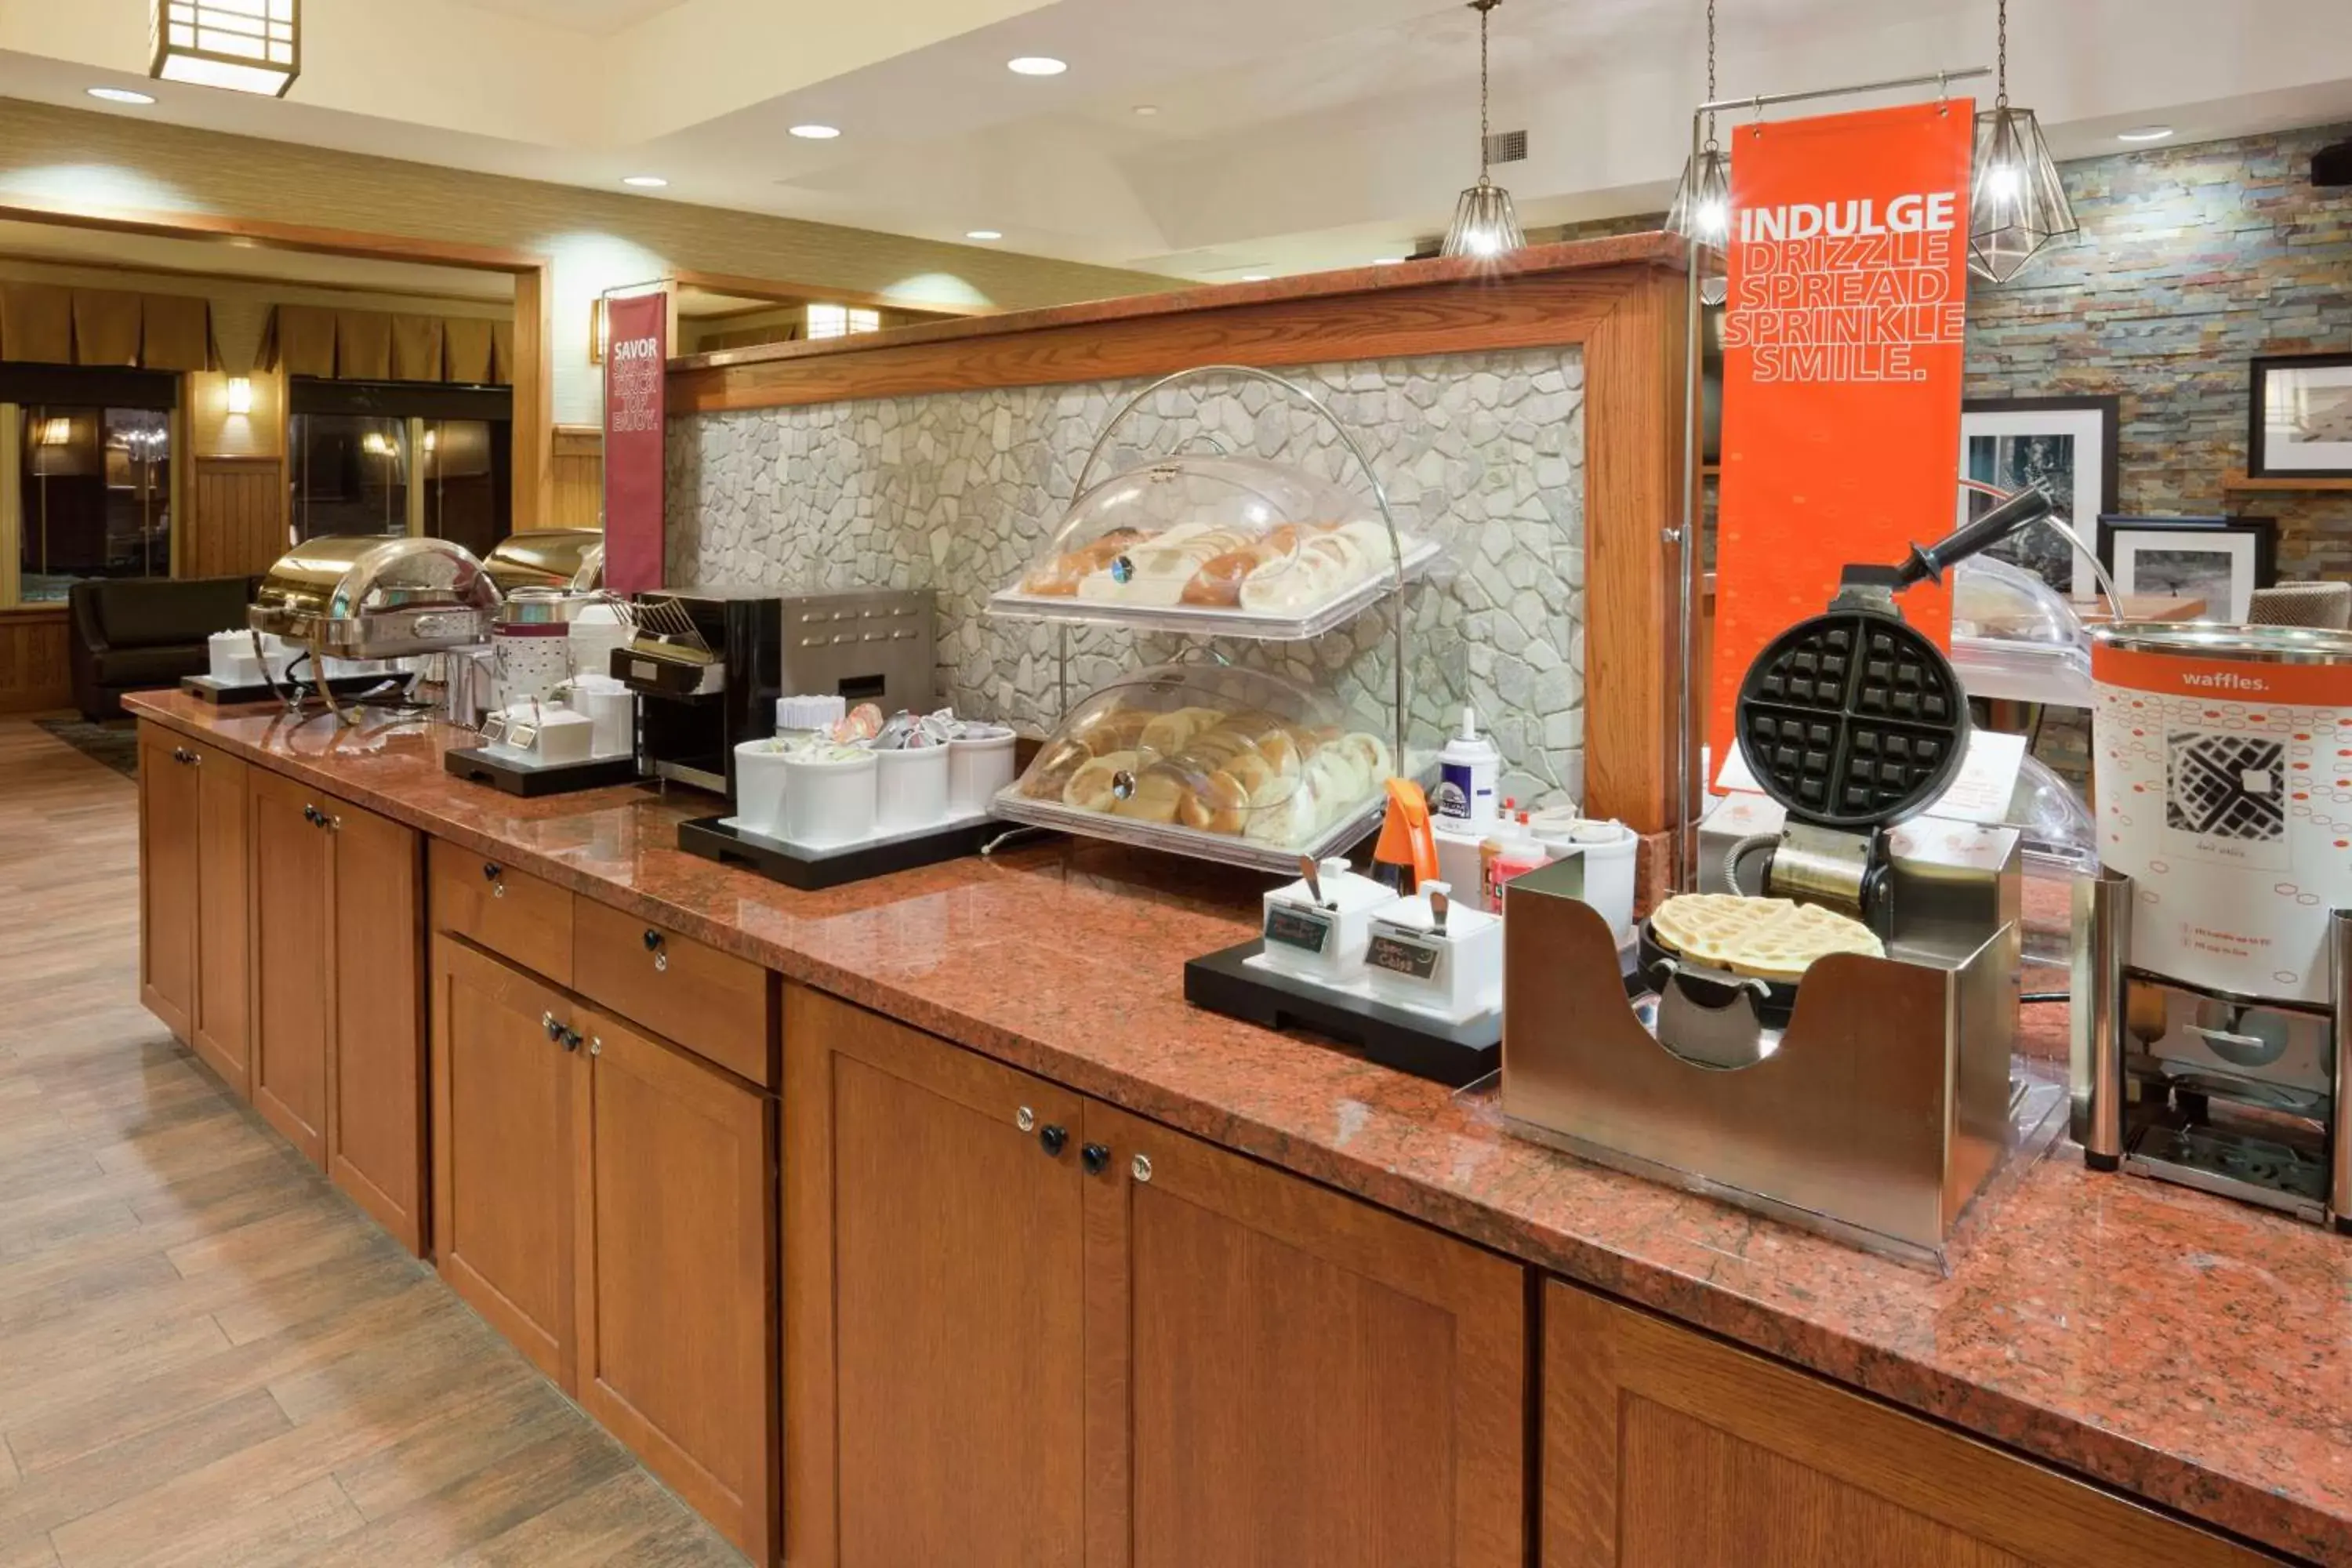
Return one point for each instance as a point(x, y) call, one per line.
point(371, 596)
point(569, 558)
point(2207, 639)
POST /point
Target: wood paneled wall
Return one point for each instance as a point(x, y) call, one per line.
point(36, 671)
point(236, 517)
point(579, 497)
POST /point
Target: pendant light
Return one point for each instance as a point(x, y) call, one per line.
point(1484, 224)
point(1702, 209)
point(2017, 203)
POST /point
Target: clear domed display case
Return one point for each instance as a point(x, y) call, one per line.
point(2017, 639)
point(1211, 760)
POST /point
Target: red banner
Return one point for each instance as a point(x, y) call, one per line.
point(636, 358)
point(1841, 367)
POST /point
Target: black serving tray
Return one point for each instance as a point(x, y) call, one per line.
point(1396, 1038)
point(480, 765)
point(809, 869)
point(205, 689)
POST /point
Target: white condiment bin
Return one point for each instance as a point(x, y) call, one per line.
point(829, 798)
point(1322, 940)
point(1607, 849)
point(1456, 975)
point(543, 732)
point(613, 708)
point(911, 789)
point(760, 787)
point(596, 632)
point(979, 763)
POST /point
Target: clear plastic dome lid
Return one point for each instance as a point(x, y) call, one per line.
point(2000, 602)
point(2053, 821)
point(1194, 538)
point(1206, 751)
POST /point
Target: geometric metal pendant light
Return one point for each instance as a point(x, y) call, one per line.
point(1702, 209)
point(1484, 224)
point(245, 45)
point(2017, 204)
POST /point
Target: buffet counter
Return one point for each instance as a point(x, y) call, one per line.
point(2178, 1349)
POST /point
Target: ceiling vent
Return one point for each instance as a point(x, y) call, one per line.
point(1506, 147)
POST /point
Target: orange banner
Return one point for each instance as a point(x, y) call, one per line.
point(1841, 367)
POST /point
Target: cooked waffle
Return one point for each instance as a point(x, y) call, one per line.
point(1772, 938)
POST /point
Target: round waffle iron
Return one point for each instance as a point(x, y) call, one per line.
point(1853, 720)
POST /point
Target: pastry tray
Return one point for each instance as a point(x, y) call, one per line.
point(810, 868)
point(518, 774)
point(1207, 620)
point(1412, 1042)
point(1225, 848)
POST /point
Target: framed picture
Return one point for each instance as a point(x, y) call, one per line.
point(2069, 445)
point(2221, 561)
point(2302, 423)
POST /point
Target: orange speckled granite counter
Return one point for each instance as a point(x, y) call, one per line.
point(2191, 1350)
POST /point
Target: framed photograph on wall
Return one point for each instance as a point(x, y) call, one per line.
point(2302, 424)
point(2221, 561)
point(2069, 445)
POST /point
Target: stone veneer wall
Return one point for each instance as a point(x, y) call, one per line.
point(959, 491)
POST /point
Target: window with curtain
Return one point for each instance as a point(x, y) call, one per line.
point(94, 476)
point(396, 458)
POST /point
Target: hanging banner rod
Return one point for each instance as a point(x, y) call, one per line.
point(1770, 100)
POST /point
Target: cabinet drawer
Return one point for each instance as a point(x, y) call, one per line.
point(712, 1003)
point(513, 914)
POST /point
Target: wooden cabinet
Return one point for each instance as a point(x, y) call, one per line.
point(338, 1016)
point(506, 1141)
point(714, 1004)
point(1090, 1341)
point(677, 1275)
point(1666, 1449)
point(168, 881)
point(514, 914)
point(292, 949)
point(607, 1201)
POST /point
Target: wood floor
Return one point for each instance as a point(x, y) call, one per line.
point(208, 1356)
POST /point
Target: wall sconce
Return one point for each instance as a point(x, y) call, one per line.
point(245, 45)
point(240, 394)
point(56, 431)
point(600, 331)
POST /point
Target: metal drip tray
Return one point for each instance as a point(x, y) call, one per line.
point(2234, 1164)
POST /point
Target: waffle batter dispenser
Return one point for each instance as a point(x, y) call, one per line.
point(1871, 1099)
point(2213, 979)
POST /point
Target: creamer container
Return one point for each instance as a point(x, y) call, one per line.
point(1467, 770)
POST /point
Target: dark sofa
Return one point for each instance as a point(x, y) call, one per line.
point(138, 634)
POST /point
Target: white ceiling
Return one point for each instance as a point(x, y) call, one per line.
point(1290, 134)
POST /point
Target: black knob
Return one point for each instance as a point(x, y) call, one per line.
point(1051, 1139)
point(554, 1029)
point(571, 1039)
point(1096, 1158)
point(653, 940)
point(491, 869)
point(310, 815)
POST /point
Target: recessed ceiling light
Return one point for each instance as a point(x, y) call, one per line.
point(1388, 261)
point(1147, 110)
point(119, 95)
point(1256, 276)
point(1036, 65)
point(2145, 133)
point(982, 233)
point(645, 182)
point(816, 132)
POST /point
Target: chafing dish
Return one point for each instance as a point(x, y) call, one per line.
point(548, 558)
point(374, 597)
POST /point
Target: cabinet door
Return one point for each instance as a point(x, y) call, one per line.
point(507, 1095)
point(677, 1279)
point(168, 815)
point(1282, 1377)
point(223, 1036)
point(376, 1143)
point(933, 1322)
point(1665, 1448)
point(292, 932)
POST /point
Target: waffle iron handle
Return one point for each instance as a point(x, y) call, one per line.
point(1929, 563)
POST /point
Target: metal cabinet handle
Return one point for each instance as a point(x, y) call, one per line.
point(554, 1030)
point(1051, 1139)
point(1140, 1168)
point(1026, 1119)
point(311, 813)
point(1096, 1158)
point(654, 945)
point(494, 874)
point(596, 1045)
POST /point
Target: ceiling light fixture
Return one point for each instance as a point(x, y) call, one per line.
point(1036, 65)
point(982, 233)
point(1147, 110)
point(645, 182)
point(1702, 209)
point(119, 95)
point(2017, 203)
point(244, 46)
point(1388, 260)
point(2145, 133)
point(1485, 225)
point(816, 132)
point(1254, 277)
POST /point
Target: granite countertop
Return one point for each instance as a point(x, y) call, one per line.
point(2190, 1350)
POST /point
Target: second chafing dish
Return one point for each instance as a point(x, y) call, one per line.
point(571, 558)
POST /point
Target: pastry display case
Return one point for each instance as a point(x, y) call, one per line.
point(2015, 637)
point(1211, 761)
point(1218, 544)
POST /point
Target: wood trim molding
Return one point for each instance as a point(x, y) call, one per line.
point(274, 235)
point(777, 292)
